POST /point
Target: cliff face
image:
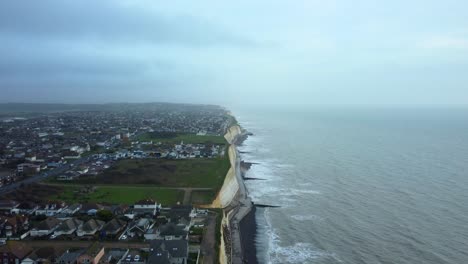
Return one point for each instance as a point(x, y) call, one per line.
point(231, 185)
point(230, 188)
point(232, 133)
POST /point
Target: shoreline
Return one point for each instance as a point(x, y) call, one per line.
point(238, 228)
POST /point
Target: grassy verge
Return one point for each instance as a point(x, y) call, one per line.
point(203, 197)
point(176, 138)
point(119, 194)
point(202, 173)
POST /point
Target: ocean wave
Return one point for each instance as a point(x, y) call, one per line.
point(299, 252)
point(262, 172)
point(306, 217)
point(280, 196)
point(288, 200)
point(300, 191)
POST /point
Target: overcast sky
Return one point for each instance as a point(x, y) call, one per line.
point(229, 52)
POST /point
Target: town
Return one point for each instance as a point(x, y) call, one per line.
point(114, 184)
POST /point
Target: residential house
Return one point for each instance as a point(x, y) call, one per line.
point(133, 257)
point(117, 209)
point(114, 255)
point(171, 231)
point(13, 226)
point(139, 227)
point(50, 209)
point(72, 209)
point(42, 255)
point(71, 155)
point(82, 169)
point(113, 227)
point(45, 228)
point(70, 257)
point(90, 228)
point(147, 206)
point(28, 208)
point(68, 227)
point(7, 177)
point(92, 255)
point(8, 205)
point(90, 208)
point(13, 252)
point(180, 214)
point(28, 168)
point(168, 251)
point(28, 260)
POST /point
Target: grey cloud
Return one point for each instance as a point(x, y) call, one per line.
point(108, 21)
point(13, 66)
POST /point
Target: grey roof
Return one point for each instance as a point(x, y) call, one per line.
point(74, 207)
point(179, 211)
point(48, 224)
point(92, 225)
point(175, 248)
point(70, 224)
point(114, 225)
point(69, 257)
point(8, 204)
point(143, 221)
point(116, 253)
point(171, 229)
point(159, 256)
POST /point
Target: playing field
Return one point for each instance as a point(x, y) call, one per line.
point(176, 138)
point(194, 173)
point(119, 194)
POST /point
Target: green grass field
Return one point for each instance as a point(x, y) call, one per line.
point(176, 138)
point(202, 197)
point(201, 173)
point(120, 194)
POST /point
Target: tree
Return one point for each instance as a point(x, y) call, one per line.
point(105, 215)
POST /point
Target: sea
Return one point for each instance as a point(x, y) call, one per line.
point(358, 184)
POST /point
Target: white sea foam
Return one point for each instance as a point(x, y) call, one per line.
point(272, 191)
point(261, 193)
point(300, 191)
point(299, 252)
point(262, 172)
point(306, 217)
point(287, 200)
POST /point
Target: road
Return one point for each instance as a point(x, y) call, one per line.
point(209, 239)
point(78, 244)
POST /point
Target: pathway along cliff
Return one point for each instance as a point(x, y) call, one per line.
point(233, 199)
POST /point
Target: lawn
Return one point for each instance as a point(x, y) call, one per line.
point(203, 197)
point(202, 173)
point(120, 194)
point(176, 138)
